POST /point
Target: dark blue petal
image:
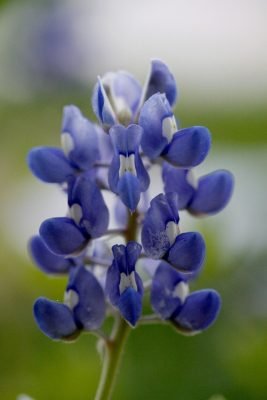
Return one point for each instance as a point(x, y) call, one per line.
point(163, 209)
point(189, 147)
point(101, 105)
point(89, 312)
point(88, 207)
point(49, 164)
point(168, 290)
point(47, 261)
point(130, 305)
point(152, 114)
point(213, 193)
point(112, 283)
point(62, 236)
point(126, 256)
point(188, 252)
point(79, 138)
point(142, 174)
point(177, 180)
point(161, 80)
point(199, 311)
point(129, 190)
point(54, 319)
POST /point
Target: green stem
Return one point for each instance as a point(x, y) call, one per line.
point(112, 356)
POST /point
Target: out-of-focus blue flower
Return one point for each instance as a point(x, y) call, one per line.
point(127, 174)
point(83, 307)
point(124, 286)
point(161, 237)
point(170, 298)
point(184, 147)
point(68, 235)
point(79, 152)
point(206, 196)
point(117, 97)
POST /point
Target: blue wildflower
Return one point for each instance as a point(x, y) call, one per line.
point(184, 147)
point(161, 237)
point(204, 196)
point(124, 286)
point(68, 235)
point(127, 174)
point(83, 308)
point(118, 97)
point(170, 298)
point(79, 151)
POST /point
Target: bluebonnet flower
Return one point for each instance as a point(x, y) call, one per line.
point(127, 174)
point(83, 307)
point(161, 237)
point(124, 286)
point(79, 151)
point(184, 147)
point(68, 235)
point(108, 157)
point(170, 298)
point(118, 97)
point(204, 196)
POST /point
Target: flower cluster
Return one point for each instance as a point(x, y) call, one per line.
point(137, 129)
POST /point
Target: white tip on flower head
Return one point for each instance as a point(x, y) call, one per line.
point(67, 143)
point(169, 128)
point(76, 213)
point(172, 231)
point(181, 291)
point(71, 298)
point(127, 164)
point(127, 281)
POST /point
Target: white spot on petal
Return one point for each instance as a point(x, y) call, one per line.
point(67, 143)
point(71, 299)
point(181, 291)
point(169, 128)
point(127, 164)
point(172, 231)
point(191, 179)
point(127, 281)
point(76, 213)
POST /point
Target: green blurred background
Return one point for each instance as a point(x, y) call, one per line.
point(50, 53)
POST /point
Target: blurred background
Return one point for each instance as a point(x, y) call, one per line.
point(50, 54)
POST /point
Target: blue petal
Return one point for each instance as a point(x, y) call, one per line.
point(54, 319)
point(126, 140)
point(213, 193)
point(176, 180)
point(47, 261)
point(163, 208)
point(125, 86)
point(62, 236)
point(189, 147)
point(153, 112)
point(112, 283)
point(141, 172)
point(130, 305)
point(164, 300)
point(79, 138)
point(161, 80)
point(49, 164)
point(126, 257)
point(129, 190)
point(86, 194)
point(89, 313)
point(199, 311)
point(101, 105)
point(188, 252)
